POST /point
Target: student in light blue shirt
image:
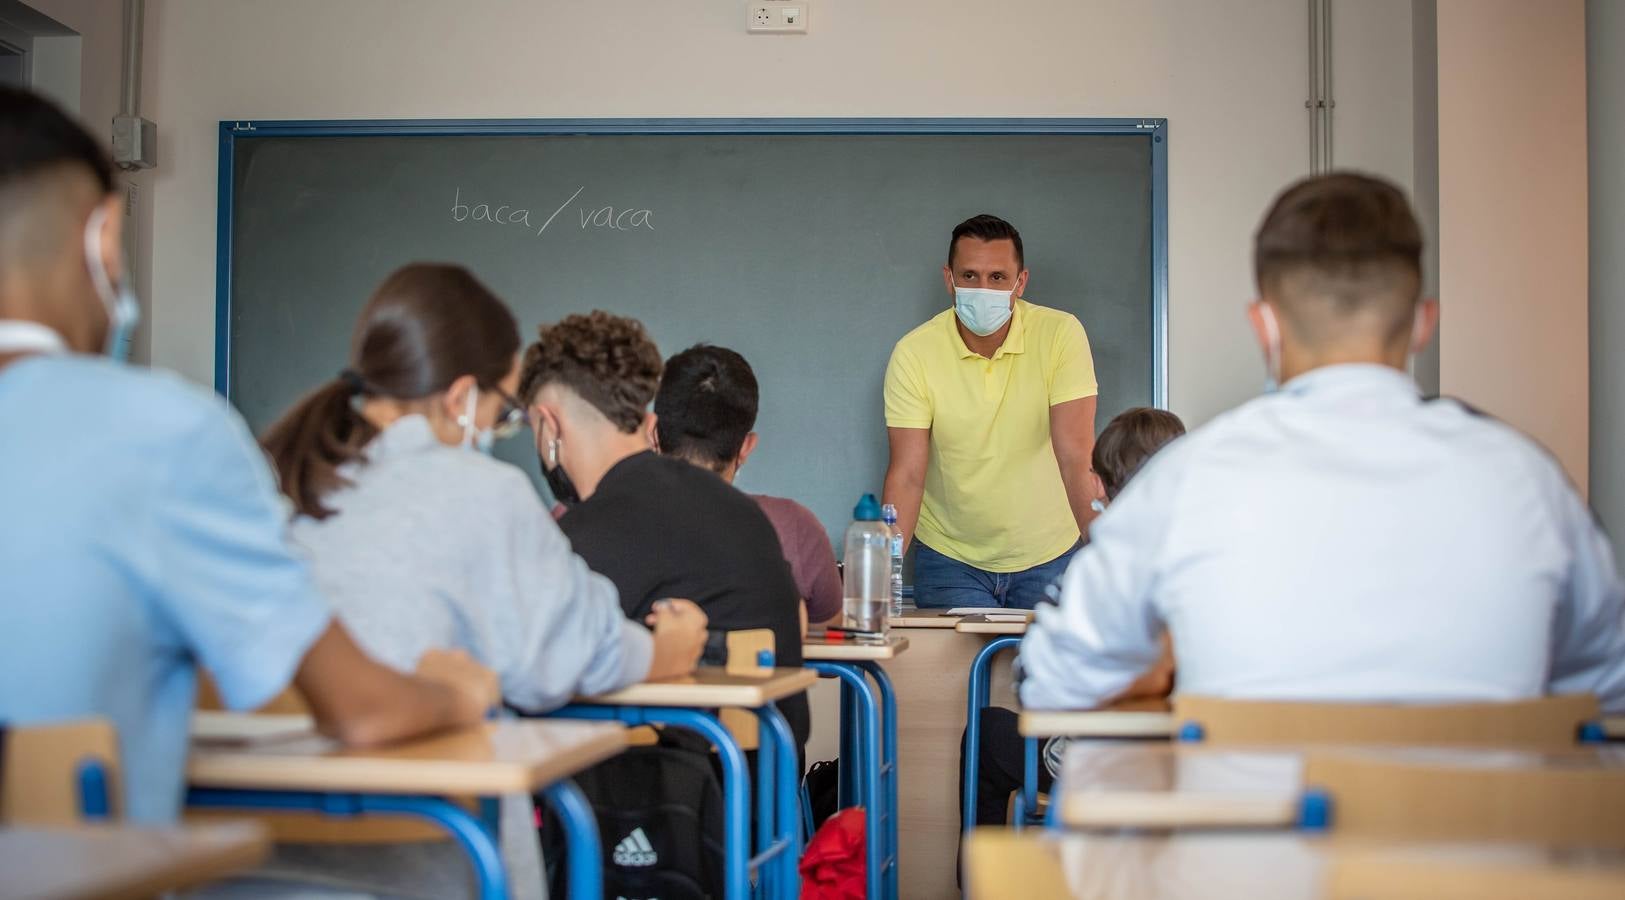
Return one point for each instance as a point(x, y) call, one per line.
point(141, 537)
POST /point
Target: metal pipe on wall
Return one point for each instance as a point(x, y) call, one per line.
point(1320, 103)
point(135, 14)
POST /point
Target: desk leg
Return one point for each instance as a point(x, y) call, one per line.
point(586, 860)
point(866, 764)
point(977, 693)
point(476, 841)
point(848, 780)
point(766, 810)
point(1029, 783)
point(888, 768)
point(787, 844)
point(735, 777)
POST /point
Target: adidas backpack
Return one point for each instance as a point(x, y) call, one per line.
point(659, 812)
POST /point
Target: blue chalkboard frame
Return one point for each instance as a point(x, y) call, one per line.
point(1154, 129)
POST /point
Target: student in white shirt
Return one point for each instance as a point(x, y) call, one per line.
point(1341, 539)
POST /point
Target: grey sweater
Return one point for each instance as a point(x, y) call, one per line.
point(439, 546)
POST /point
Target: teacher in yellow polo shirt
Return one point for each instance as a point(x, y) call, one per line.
point(990, 411)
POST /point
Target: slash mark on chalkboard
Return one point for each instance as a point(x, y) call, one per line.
point(556, 212)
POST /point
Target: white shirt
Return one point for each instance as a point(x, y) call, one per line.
point(1341, 540)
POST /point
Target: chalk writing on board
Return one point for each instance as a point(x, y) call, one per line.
point(613, 218)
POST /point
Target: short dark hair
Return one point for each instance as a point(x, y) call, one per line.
point(35, 135)
point(1130, 439)
point(706, 405)
point(987, 228)
point(607, 360)
point(1346, 239)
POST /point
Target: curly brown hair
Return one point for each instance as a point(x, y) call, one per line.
point(607, 360)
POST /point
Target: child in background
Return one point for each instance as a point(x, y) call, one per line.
point(1121, 451)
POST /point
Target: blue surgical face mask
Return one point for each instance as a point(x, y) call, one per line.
point(123, 311)
point(475, 438)
point(982, 310)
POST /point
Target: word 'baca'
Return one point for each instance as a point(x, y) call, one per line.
point(614, 218)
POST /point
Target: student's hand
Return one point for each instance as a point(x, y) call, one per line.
point(680, 632)
point(476, 688)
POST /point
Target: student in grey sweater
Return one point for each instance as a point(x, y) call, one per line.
point(419, 539)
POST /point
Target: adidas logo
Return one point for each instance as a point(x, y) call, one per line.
point(635, 850)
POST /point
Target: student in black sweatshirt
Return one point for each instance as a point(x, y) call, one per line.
point(656, 526)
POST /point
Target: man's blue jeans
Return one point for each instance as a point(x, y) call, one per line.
point(941, 582)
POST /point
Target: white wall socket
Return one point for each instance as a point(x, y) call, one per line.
point(781, 17)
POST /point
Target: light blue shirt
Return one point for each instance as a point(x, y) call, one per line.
point(1341, 539)
point(141, 536)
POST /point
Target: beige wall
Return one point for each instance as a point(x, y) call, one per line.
point(1229, 77)
point(1512, 216)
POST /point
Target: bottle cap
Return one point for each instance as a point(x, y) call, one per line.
point(868, 509)
point(888, 514)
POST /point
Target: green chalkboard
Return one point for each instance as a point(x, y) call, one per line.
point(811, 254)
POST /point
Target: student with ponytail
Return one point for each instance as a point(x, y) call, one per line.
point(421, 539)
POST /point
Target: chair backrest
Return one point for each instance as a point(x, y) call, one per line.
point(49, 773)
point(1570, 798)
point(1547, 722)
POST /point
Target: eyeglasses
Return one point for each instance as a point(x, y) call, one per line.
point(510, 419)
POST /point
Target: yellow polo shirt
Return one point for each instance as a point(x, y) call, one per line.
point(993, 492)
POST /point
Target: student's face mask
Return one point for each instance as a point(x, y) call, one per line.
point(982, 310)
point(474, 437)
point(123, 311)
point(558, 481)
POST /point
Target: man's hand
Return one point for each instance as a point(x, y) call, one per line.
point(475, 687)
point(679, 631)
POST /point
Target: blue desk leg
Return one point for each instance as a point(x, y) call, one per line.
point(888, 749)
point(735, 777)
point(1028, 803)
point(766, 812)
point(788, 841)
point(476, 841)
point(866, 764)
point(848, 781)
point(977, 697)
point(585, 855)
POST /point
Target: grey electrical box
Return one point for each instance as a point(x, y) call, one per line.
point(135, 143)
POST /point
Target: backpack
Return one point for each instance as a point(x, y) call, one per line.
point(659, 812)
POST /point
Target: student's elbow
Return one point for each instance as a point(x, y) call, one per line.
point(369, 728)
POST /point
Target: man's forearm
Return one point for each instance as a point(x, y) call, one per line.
point(905, 494)
point(1079, 495)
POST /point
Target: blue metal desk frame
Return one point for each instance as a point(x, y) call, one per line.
point(869, 763)
point(778, 831)
point(977, 697)
point(478, 836)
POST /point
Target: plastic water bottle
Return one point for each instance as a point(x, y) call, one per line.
point(888, 514)
point(867, 594)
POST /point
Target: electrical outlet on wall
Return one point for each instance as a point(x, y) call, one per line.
point(779, 17)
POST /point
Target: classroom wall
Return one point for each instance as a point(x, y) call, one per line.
point(1512, 216)
point(1605, 64)
point(1230, 77)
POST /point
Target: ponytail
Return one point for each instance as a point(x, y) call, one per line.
point(311, 441)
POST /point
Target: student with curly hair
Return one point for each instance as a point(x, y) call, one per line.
point(657, 526)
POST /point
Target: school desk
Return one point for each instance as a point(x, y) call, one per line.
point(274, 766)
point(1144, 719)
point(868, 743)
point(1433, 793)
point(112, 862)
point(1006, 865)
point(688, 703)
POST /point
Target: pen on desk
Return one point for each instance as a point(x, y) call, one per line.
point(855, 632)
